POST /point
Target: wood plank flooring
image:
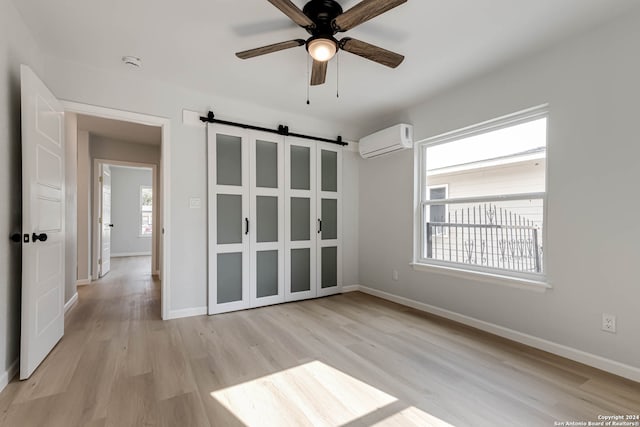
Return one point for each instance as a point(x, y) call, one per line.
point(347, 360)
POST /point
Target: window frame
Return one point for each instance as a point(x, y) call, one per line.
point(141, 212)
point(536, 281)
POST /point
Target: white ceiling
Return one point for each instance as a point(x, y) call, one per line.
point(191, 43)
point(120, 131)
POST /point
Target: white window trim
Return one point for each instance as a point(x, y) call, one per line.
point(140, 234)
point(486, 277)
point(533, 281)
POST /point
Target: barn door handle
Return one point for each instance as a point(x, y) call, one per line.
point(319, 226)
point(246, 224)
point(42, 237)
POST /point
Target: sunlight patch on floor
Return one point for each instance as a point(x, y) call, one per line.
point(315, 394)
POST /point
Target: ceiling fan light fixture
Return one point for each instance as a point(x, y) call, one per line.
point(322, 49)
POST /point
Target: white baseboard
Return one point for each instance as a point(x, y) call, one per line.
point(126, 254)
point(71, 302)
point(187, 312)
point(83, 282)
point(608, 365)
point(350, 288)
point(9, 374)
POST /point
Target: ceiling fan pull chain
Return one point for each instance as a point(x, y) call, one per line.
point(308, 81)
point(337, 75)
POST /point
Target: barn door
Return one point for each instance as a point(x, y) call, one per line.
point(43, 218)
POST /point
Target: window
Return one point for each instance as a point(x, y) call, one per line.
point(146, 210)
point(481, 201)
point(437, 213)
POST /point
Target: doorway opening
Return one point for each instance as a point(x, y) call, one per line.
point(122, 164)
point(125, 211)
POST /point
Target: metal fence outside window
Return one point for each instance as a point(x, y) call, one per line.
point(486, 235)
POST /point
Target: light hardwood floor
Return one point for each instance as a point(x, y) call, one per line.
point(348, 360)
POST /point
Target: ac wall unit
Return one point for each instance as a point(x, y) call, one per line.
point(395, 138)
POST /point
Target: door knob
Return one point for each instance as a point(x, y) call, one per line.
point(42, 237)
point(16, 237)
point(111, 225)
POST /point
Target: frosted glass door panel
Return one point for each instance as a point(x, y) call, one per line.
point(329, 219)
point(329, 173)
point(300, 168)
point(229, 219)
point(266, 164)
point(267, 273)
point(300, 270)
point(267, 219)
point(228, 160)
point(329, 271)
point(229, 283)
point(300, 218)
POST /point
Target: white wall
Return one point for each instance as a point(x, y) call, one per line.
point(16, 46)
point(125, 211)
point(125, 91)
point(84, 207)
point(71, 213)
point(591, 84)
point(350, 216)
point(110, 149)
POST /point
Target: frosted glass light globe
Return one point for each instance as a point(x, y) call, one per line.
point(322, 49)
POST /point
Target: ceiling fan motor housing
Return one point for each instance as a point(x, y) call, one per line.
point(322, 13)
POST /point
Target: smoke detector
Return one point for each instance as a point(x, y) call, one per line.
point(132, 61)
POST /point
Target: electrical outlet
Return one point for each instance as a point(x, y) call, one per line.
point(395, 275)
point(609, 323)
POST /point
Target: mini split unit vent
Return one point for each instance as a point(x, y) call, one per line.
point(390, 140)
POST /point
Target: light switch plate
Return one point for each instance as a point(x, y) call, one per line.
point(195, 203)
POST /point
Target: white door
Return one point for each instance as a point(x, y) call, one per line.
point(266, 167)
point(43, 218)
point(301, 228)
point(229, 224)
point(329, 219)
point(105, 220)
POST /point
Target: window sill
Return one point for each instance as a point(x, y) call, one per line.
point(514, 282)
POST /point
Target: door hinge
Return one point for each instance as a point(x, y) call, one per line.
point(100, 178)
point(100, 220)
point(100, 262)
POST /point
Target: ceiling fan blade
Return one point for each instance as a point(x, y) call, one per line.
point(293, 12)
point(318, 73)
point(269, 49)
point(364, 11)
point(371, 52)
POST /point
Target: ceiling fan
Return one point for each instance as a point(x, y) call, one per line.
point(323, 19)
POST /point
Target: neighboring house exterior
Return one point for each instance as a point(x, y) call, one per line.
point(504, 234)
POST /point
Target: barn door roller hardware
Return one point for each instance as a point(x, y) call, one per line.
point(282, 130)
